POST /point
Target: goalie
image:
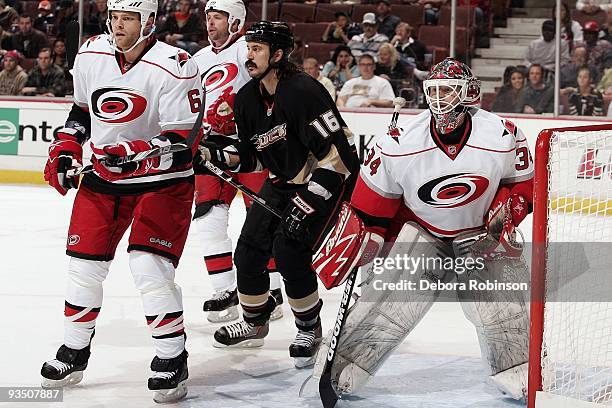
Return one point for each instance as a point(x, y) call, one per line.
point(454, 181)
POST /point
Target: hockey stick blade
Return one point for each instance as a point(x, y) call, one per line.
point(225, 176)
point(72, 42)
point(156, 151)
point(327, 392)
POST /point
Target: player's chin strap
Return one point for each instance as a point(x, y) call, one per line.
point(231, 37)
point(142, 38)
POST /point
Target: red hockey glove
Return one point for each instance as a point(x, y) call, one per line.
point(348, 245)
point(506, 212)
point(220, 114)
point(65, 153)
point(103, 159)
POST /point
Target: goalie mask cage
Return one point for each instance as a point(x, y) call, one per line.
point(570, 351)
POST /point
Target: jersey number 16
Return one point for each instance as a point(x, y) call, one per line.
point(331, 123)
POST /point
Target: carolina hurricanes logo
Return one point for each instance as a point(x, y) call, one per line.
point(454, 190)
point(117, 105)
point(219, 76)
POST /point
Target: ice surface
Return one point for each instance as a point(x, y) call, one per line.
point(437, 366)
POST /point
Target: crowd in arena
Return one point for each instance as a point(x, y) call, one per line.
point(363, 53)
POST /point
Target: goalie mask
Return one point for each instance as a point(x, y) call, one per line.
point(144, 8)
point(451, 89)
point(235, 11)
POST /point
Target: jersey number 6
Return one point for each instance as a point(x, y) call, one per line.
point(194, 100)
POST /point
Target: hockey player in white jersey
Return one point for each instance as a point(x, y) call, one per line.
point(132, 94)
point(223, 72)
point(453, 175)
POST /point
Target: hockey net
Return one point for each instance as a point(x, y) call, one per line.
point(570, 363)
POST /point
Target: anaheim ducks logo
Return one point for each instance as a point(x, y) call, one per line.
point(454, 190)
point(117, 105)
point(219, 76)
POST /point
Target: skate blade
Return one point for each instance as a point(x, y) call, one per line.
point(251, 343)
point(223, 316)
point(71, 379)
point(171, 395)
point(277, 313)
point(303, 362)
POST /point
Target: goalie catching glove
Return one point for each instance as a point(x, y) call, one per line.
point(105, 159)
point(505, 214)
point(65, 153)
point(347, 246)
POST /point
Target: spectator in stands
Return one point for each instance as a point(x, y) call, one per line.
point(605, 33)
point(585, 101)
point(596, 48)
point(28, 41)
point(12, 78)
point(387, 22)
point(571, 30)
point(390, 67)
point(542, 51)
point(6, 42)
point(68, 12)
point(59, 54)
point(506, 100)
point(45, 20)
point(182, 28)
point(367, 90)
point(342, 67)
point(411, 50)
point(605, 84)
point(311, 66)
point(592, 6)
point(337, 31)
point(97, 20)
point(166, 7)
point(569, 72)
point(8, 16)
point(370, 40)
point(432, 10)
point(536, 97)
point(46, 78)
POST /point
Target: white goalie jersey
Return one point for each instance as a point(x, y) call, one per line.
point(160, 93)
point(223, 73)
point(448, 188)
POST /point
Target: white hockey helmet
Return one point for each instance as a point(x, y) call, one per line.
point(143, 7)
point(234, 9)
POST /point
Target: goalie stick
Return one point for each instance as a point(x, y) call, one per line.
point(156, 151)
point(327, 391)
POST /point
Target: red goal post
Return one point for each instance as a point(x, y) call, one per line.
point(568, 185)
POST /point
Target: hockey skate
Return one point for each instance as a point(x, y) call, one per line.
point(277, 294)
point(169, 378)
point(241, 335)
point(66, 369)
point(304, 347)
point(222, 307)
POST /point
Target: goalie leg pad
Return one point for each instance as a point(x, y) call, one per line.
point(502, 322)
point(380, 320)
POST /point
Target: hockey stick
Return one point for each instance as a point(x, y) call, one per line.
point(327, 390)
point(156, 151)
point(72, 42)
point(225, 176)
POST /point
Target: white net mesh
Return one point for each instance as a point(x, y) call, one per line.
point(577, 343)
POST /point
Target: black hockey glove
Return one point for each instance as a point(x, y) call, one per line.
point(214, 153)
point(304, 207)
point(311, 202)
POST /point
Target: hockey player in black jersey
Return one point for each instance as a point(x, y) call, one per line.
point(288, 124)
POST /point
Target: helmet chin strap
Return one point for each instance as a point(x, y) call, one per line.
point(229, 39)
point(271, 65)
point(140, 39)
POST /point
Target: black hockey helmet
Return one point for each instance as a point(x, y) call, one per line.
point(276, 34)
